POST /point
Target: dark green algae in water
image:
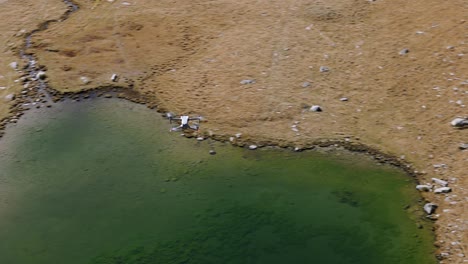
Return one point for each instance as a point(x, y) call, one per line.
point(104, 182)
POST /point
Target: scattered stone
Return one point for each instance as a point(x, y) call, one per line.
point(315, 108)
point(247, 81)
point(9, 97)
point(324, 69)
point(212, 152)
point(298, 149)
point(459, 122)
point(200, 138)
point(430, 208)
point(438, 166)
point(41, 75)
point(252, 147)
point(14, 65)
point(305, 84)
point(423, 187)
point(440, 182)
point(404, 51)
point(114, 77)
point(108, 95)
point(344, 99)
point(463, 146)
point(85, 80)
point(443, 190)
point(238, 135)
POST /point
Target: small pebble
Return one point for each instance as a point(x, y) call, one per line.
point(404, 51)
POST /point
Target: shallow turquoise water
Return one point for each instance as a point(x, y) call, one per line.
point(105, 182)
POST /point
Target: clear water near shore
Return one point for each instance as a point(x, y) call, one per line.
point(103, 182)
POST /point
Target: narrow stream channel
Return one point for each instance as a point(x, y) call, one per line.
point(104, 181)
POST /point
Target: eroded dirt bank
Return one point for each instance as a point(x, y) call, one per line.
point(401, 65)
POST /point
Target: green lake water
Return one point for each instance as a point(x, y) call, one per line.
point(104, 181)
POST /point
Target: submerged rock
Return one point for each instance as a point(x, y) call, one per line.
point(252, 147)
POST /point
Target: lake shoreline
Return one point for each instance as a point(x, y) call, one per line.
point(380, 152)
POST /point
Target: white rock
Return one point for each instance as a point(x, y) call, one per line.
point(252, 147)
point(85, 80)
point(429, 208)
point(114, 77)
point(404, 51)
point(200, 138)
point(9, 97)
point(14, 65)
point(238, 135)
point(438, 166)
point(440, 182)
point(41, 75)
point(344, 99)
point(324, 69)
point(423, 187)
point(443, 190)
point(247, 81)
point(315, 108)
point(459, 122)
